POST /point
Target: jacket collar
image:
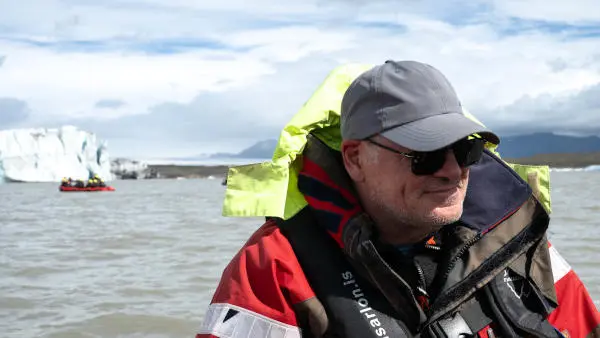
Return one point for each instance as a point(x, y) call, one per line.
point(494, 193)
point(501, 220)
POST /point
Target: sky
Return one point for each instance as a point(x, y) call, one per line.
point(170, 78)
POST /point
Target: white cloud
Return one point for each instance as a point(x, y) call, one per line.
point(289, 43)
point(70, 83)
point(574, 11)
point(110, 103)
point(203, 72)
point(12, 111)
point(578, 113)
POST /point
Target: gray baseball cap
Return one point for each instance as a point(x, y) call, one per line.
point(411, 104)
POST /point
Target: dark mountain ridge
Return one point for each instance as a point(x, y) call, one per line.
point(519, 146)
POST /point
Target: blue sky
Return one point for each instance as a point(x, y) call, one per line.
point(161, 78)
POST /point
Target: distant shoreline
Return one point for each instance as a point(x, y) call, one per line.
point(555, 161)
point(560, 160)
point(189, 171)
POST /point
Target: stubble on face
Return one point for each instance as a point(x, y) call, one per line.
point(401, 205)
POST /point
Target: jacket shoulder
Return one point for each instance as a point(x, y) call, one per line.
point(261, 284)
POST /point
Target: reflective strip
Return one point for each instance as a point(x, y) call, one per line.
point(560, 267)
point(230, 321)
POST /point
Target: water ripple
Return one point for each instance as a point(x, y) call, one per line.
point(143, 261)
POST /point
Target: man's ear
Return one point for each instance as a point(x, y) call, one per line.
point(350, 150)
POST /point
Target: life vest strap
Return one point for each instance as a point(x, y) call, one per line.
point(474, 316)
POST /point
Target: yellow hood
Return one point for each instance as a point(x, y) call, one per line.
point(269, 188)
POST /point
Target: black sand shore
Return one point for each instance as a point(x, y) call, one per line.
point(562, 160)
point(189, 171)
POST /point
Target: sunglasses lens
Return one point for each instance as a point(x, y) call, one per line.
point(467, 152)
point(427, 163)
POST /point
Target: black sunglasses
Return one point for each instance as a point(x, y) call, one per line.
point(466, 151)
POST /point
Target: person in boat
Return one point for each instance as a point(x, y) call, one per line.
point(66, 182)
point(79, 183)
point(95, 181)
point(411, 227)
point(98, 181)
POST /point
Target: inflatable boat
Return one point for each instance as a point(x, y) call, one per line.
point(69, 189)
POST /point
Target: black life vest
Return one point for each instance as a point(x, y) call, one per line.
point(364, 296)
point(512, 304)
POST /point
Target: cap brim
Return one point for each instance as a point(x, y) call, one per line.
point(438, 131)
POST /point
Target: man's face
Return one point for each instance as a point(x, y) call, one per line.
point(429, 201)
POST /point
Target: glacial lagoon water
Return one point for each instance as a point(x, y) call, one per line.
point(143, 261)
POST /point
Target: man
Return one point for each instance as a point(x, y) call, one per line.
point(99, 181)
point(412, 229)
point(79, 183)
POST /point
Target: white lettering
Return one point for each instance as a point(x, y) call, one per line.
point(357, 293)
point(368, 312)
point(380, 332)
point(365, 310)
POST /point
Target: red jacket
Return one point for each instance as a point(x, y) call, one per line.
point(264, 280)
point(264, 291)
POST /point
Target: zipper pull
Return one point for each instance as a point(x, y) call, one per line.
point(423, 301)
point(423, 296)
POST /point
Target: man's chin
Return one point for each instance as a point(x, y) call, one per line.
point(446, 215)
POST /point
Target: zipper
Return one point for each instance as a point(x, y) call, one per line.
point(423, 297)
point(451, 265)
point(421, 274)
point(375, 259)
point(432, 247)
point(458, 256)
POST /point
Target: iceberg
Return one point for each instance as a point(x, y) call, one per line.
point(124, 168)
point(595, 167)
point(49, 154)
